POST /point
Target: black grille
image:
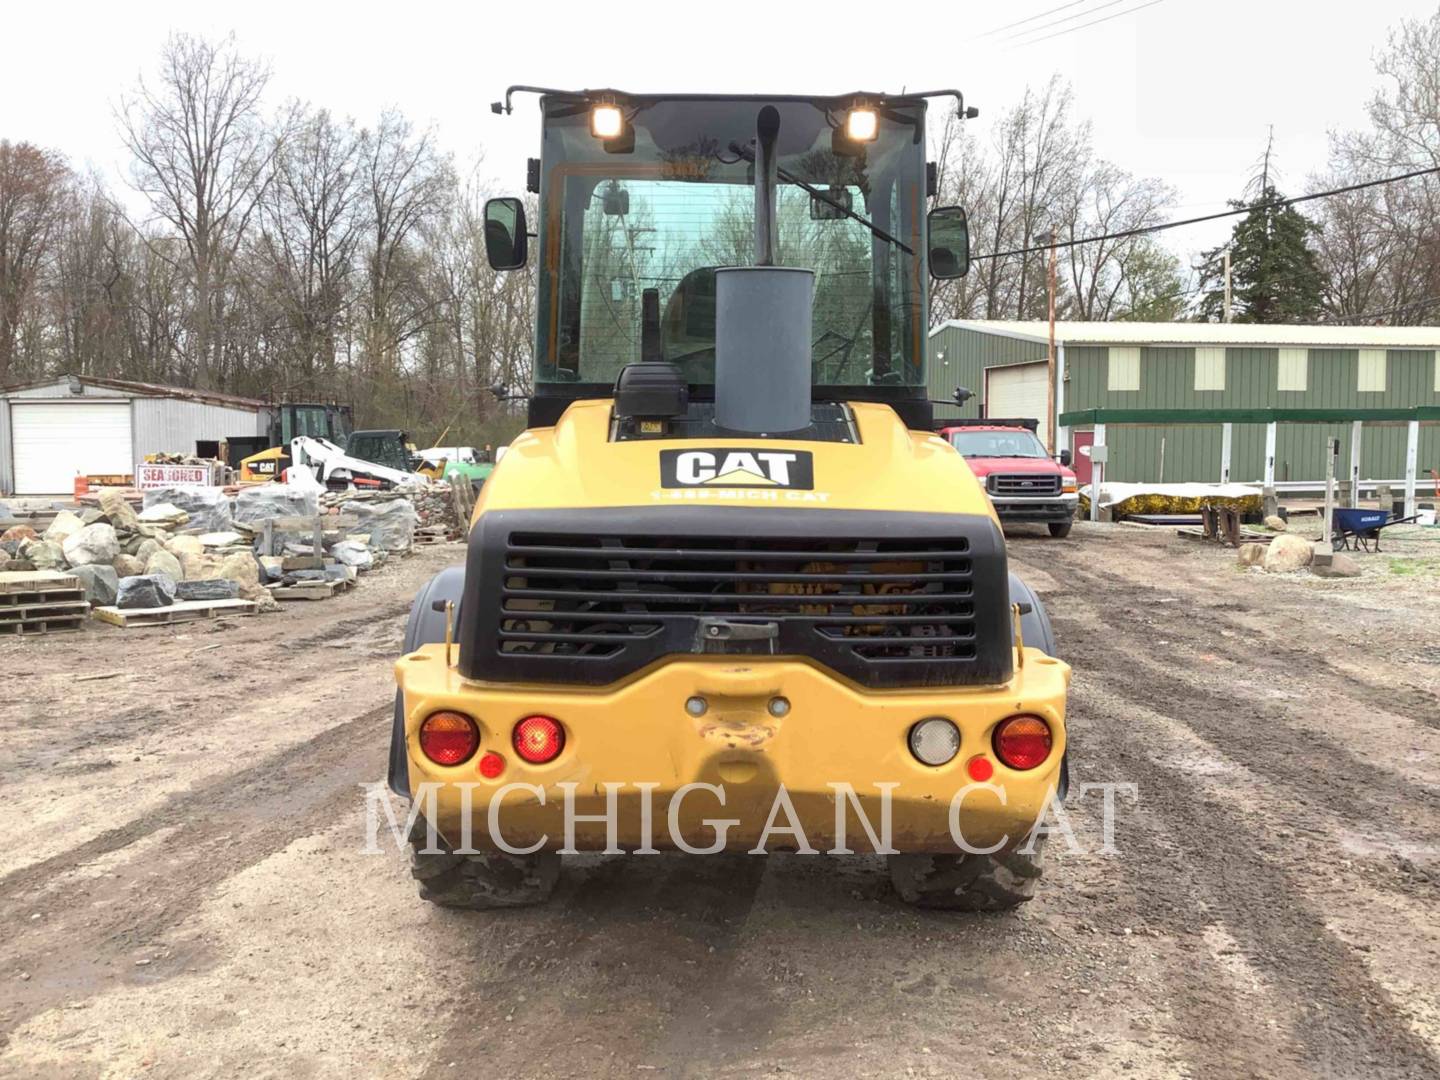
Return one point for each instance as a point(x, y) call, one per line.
point(576, 603)
point(1023, 484)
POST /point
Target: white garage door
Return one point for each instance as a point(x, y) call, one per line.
point(1018, 391)
point(55, 441)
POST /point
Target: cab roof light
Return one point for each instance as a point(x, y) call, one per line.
point(862, 124)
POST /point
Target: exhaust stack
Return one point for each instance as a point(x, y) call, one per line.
point(763, 320)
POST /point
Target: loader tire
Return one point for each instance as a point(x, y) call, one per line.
point(967, 882)
point(480, 882)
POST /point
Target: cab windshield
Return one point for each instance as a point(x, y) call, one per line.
point(1011, 444)
point(660, 218)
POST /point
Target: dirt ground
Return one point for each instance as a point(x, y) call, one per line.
point(183, 891)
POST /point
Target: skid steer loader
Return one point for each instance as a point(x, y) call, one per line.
point(729, 592)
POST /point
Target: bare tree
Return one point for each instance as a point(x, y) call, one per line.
point(407, 186)
point(201, 157)
point(33, 183)
point(312, 223)
point(1038, 173)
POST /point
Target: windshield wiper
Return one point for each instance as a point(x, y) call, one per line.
point(790, 178)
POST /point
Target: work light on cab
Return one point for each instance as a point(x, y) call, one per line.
point(607, 122)
point(862, 125)
point(539, 739)
point(1023, 742)
point(449, 738)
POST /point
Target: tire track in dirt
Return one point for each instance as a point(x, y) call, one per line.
point(630, 930)
point(222, 827)
point(1278, 656)
point(1349, 1026)
point(1268, 744)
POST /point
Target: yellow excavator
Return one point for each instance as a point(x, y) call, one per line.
point(730, 591)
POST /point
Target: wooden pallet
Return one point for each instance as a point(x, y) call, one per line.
point(310, 590)
point(180, 611)
point(30, 582)
point(43, 623)
point(43, 607)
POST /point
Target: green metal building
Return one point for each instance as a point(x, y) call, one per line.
point(1363, 381)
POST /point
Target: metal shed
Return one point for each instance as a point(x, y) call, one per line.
point(53, 430)
point(1159, 368)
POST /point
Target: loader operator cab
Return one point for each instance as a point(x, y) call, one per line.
point(643, 198)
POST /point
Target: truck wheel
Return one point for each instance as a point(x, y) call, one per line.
point(481, 882)
point(967, 882)
point(1060, 529)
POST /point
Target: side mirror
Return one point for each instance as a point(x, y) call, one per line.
point(1065, 458)
point(506, 242)
point(949, 242)
point(962, 395)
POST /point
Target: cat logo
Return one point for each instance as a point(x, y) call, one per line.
point(761, 467)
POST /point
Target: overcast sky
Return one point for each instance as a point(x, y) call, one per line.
point(1183, 89)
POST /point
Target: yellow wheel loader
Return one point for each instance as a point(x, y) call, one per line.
point(729, 591)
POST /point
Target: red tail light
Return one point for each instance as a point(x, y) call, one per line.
point(449, 738)
point(539, 739)
point(1022, 742)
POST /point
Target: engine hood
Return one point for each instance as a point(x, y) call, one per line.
point(984, 466)
point(575, 464)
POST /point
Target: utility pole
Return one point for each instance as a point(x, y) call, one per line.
point(1048, 238)
point(1227, 284)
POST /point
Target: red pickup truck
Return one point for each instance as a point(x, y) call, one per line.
point(1023, 482)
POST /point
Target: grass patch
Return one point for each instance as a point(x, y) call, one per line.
point(1410, 566)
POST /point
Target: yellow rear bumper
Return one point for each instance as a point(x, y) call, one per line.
point(634, 744)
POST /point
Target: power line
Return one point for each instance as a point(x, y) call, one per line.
point(1032, 18)
point(1273, 204)
point(1093, 22)
point(1429, 301)
point(1060, 21)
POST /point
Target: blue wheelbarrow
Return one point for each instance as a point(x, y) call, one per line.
point(1356, 530)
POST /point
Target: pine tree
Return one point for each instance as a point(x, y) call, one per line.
point(1275, 273)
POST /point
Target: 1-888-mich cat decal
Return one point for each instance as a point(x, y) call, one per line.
point(742, 467)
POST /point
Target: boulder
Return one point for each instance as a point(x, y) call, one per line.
point(1286, 553)
point(19, 566)
point(90, 515)
point(182, 545)
point(146, 548)
point(63, 527)
point(118, 509)
point(128, 565)
point(19, 532)
point(210, 589)
point(1338, 565)
point(147, 591)
point(1275, 523)
point(242, 569)
point(162, 562)
point(220, 539)
point(353, 554)
point(1250, 554)
point(4, 560)
point(101, 583)
point(200, 567)
point(163, 514)
point(45, 555)
point(93, 544)
point(272, 567)
point(264, 601)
